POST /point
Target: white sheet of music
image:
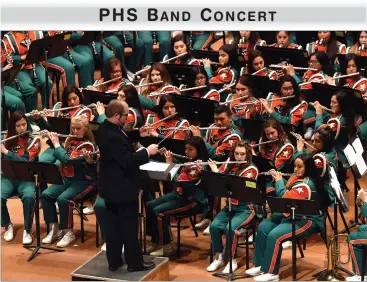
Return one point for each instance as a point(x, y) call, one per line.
point(357, 145)
point(361, 164)
point(350, 154)
point(155, 166)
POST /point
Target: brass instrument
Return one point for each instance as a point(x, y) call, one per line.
point(28, 40)
point(325, 108)
point(334, 259)
point(15, 136)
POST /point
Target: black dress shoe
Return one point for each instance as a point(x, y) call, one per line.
point(141, 267)
point(114, 268)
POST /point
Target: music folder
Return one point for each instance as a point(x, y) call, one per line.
point(275, 55)
point(160, 171)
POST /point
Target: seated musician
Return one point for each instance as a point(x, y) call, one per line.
point(284, 39)
point(237, 102)
point(256, 66)
point(360, 47)
point(247, 41)
point(358, 240)
point(79, 180)
point(169, 128)
point(188, 197)
point(23, 148)
point(227, 72)
point(272, 232)
point(114, 75)
point(289, 111)
point(179, 46)
point(243, 212)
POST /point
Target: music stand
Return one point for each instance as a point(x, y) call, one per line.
point(294, 207)
point(39, 173)
point(196, 109)
point(262, 85)
point(45, 49)
point(8, 76)
point(228, 186)
point(173, 145)
point(91, 96)
point(274, 55)
point(179, 74)
point(211, 55)
point(62, 125)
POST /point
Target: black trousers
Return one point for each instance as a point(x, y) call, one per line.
point(122, 230)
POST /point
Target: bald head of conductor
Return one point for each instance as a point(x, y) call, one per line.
point(117, 112)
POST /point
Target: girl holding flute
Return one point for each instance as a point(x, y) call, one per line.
point(23, 148)
point(178, 47)
point(79, 181)
point(243, 212)
point(189, 196)
point(256, 66)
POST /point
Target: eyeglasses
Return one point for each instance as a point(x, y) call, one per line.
point(124, 115)
point(313, 62)
point(290, 88)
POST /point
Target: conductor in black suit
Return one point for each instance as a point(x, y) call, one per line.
point(119, 187)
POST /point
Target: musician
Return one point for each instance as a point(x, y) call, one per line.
point(360, 47)
point(353, 65)
point(284, 41)
point(324, 155)
point(242, 212)
point(280, 151)
point(32, 76)
point(289, 111)
point(66, 65)
point(113, 70)
point(154, 37)
point(246, 41)
point(23, 148)
point(79, 181)
point(219, 142)
point(238, 110)
point(277, 229)
point(178, 47)
point(165, 108)
point(256, 64)
point(357, 242)
point(217, 39)
point(227, 73)
point(188, 196)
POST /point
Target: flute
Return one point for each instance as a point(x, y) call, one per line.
point(147, 84)
point(174, 155)
point(163, 119)
point(193, 88)
point(15, 136)
point(282, 173)
point(153, 94)
point(332, 78)
point(300, 137)
point(45, 132)
point(94, 105)
point(296, 68)
point(108, 81)
point(173, 58)
point(235, 99)
point(200, 128)
point(212, 63)
point(206, 163)
point(54, 110)
point(82, 156)
point(265, 142)
point(224, 88)
point(325, 108)
point(142, 70)
point(260, 70)
point(270, 100)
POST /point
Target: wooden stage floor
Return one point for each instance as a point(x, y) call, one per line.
point(192, 265)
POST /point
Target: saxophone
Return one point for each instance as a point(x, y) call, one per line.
point(10, 61)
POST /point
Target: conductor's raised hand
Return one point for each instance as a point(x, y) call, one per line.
point(152, 149)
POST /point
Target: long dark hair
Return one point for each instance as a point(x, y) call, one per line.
point(108, 69)
point(290, 103)
point(332, 47)
point(179, 37)
point(163, 72)
point(327, 138)
point(132, 97)
point(71, 89)
point(283, 138)
point(162, 101)
point(252, 56)
point(243, 144)
point(254, 37)
point(192, 76)
point(230, 49)
point(324, 61)
point(346, 107)
point(344, 66)
point(14, 118)
point(199, 144)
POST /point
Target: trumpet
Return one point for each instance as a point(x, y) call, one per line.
point(325, 108)
point(300, 137)
point(161, 151)
point(15, 136)
point(45, 132)
point(266, 173)
point(296, 68)
point(262, 143)
point(54, 110)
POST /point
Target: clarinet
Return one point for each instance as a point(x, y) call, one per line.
point(109, 46)
point(95, 52)
point(190, 41)
point(70, 56)
point(125, 40)
point(33, 65)
point(154, 38)
point(10, 61)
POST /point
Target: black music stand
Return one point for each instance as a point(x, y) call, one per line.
point(196, 109)
point(91, 96)
point(294, 207)
point(62, 125)
point(211, 55)
point(40, 173)
point(228, 186)
point(173, 145)
point(45, 49)
point(262, 85)
point(180, 74)
point(274, 55)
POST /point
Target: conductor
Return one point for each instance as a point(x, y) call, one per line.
point(118, 184)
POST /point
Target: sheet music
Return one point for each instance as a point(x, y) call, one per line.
point(357, 145)
point(155, 166)
point(361, 165)
point(350, 154)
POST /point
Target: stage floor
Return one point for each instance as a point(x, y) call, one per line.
point(191, 266)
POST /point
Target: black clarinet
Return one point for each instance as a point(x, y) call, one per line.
point(190, 41)
point(154, 37)
point(33, 65)
point(95, 52)
point(70, 56)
